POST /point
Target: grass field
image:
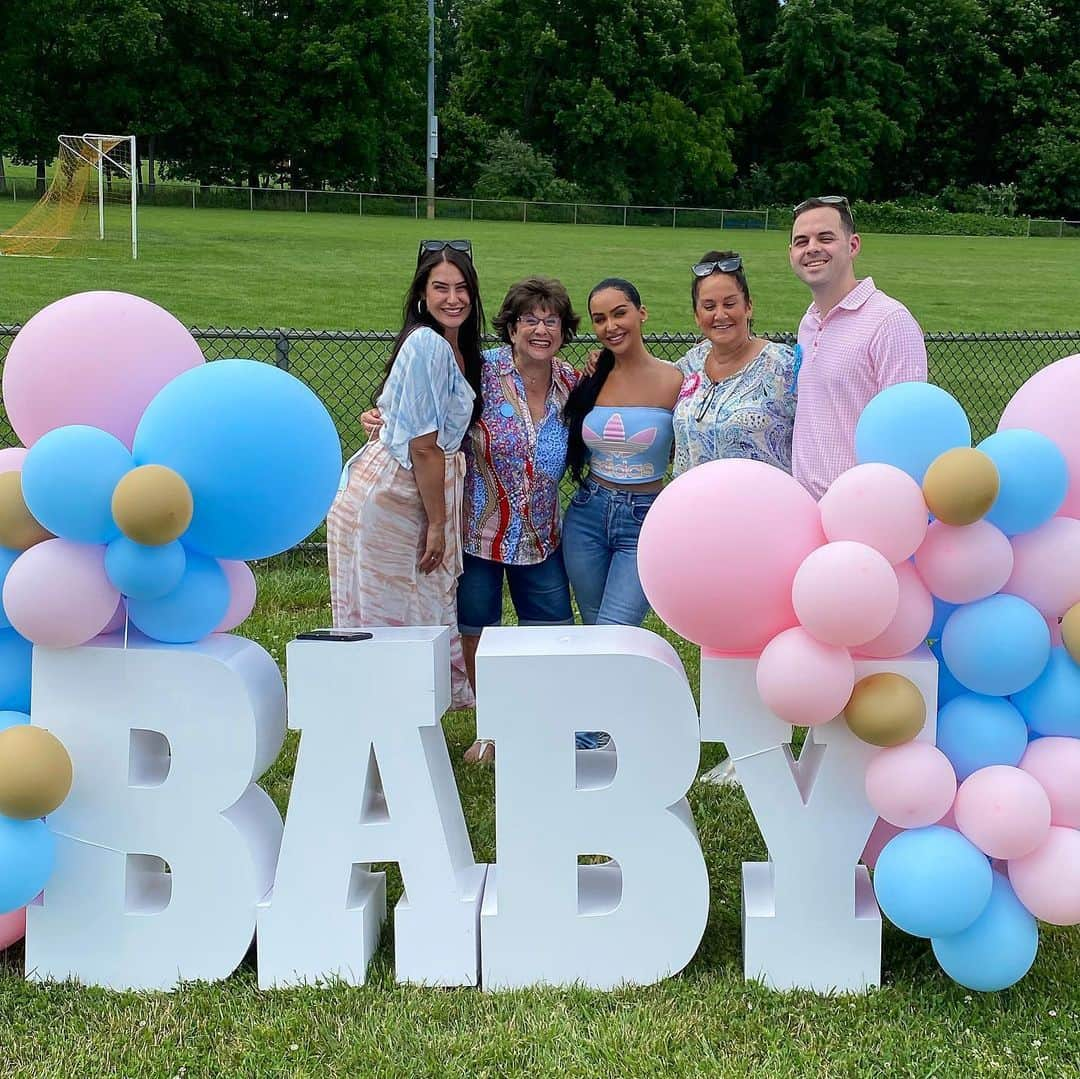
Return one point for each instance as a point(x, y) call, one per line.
point(235, 268)
point(340, 271)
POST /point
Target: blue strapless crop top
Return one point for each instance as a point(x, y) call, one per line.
point(628, 443)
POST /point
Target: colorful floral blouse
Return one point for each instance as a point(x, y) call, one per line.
point(512, 512)
point(751, 414)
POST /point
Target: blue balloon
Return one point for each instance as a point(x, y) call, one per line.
point(997, 646)
point(191, 610)
point(942, 610)
point(68, 479)
point(16, 654)
point(947, 686)
point(910, 424)
point(13, 719)
point(141, 572)
point(975, 732)
point(932, 882)
point(1051, 704)
point(27, 855)
point(1034, 478)
point(7, 560)
point(997, 949)
point(257, 448)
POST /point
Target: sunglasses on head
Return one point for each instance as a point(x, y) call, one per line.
point(828, 200)
point(728, 265)
point(430, 247)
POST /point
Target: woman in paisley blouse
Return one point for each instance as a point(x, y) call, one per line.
point(739, 396)
point(739, 400)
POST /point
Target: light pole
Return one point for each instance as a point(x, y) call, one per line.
point(432, 119)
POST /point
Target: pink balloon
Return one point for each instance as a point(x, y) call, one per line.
point(845, 593)
point(1055, 763)
point(911, 785)
point(963, 564)
point(95, 358)
point(878, 505)
point(242, 591)
point(11, 458)
point(910, 624)
point(116, 623)
point(1047, 403)
point(803, 681)
point(1046, 566)
point(750, 526)
point(883, 831)
point(1003, 811)
point(1047, 881)
point(56, 593)
point(12, 927)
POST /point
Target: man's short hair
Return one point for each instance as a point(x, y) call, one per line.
point(827, 202)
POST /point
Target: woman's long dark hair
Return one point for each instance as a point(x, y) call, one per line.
point(583, 396)
point(416, 314)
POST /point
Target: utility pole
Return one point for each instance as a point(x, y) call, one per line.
point(432, 119)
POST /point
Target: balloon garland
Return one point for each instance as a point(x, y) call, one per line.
point(147, 480)
point(926, 538)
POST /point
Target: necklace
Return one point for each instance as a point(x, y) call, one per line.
point(532, 380)
point(736, 367)
point(730, 383)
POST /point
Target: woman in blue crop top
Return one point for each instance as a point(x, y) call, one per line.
point(619, 449)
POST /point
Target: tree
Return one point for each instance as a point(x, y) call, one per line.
point(633, 100)
point(955, 77)
point(1037, 116)
point(71, 67)
point(839, 108)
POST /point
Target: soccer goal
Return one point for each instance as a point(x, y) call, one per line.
point(91, 205)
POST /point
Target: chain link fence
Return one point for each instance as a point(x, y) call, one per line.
point(982, 370)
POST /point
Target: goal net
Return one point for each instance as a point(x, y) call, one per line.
point(90, 205)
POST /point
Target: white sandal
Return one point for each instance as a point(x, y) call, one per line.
point(482, 751)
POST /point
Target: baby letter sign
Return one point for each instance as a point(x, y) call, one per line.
point(171, 856)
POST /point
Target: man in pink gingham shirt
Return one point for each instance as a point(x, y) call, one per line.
point(855, 341)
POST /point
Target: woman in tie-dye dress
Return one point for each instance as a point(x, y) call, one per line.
point(394, 531)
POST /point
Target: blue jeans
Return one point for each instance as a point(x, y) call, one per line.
point(600, 538)
point(540, 593)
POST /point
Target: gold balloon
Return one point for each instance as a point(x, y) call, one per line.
point(960, 486)
point(35, 772)
point(19, 528)
point(885, 710)
point(1070, 632)
point(152, 505)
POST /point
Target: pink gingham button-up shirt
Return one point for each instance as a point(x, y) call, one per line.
point(866, 342)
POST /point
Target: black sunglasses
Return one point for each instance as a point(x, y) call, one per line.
point(430, 247)
point(828, 200)
point(728, 265)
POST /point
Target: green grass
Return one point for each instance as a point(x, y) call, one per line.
point(342, 271)
point(706, 1020)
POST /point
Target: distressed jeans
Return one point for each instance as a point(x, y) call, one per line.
point(600, 537)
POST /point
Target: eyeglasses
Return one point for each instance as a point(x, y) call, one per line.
point(430, 247)
point(552, 322)
point(728, 265)
point(828, 200)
